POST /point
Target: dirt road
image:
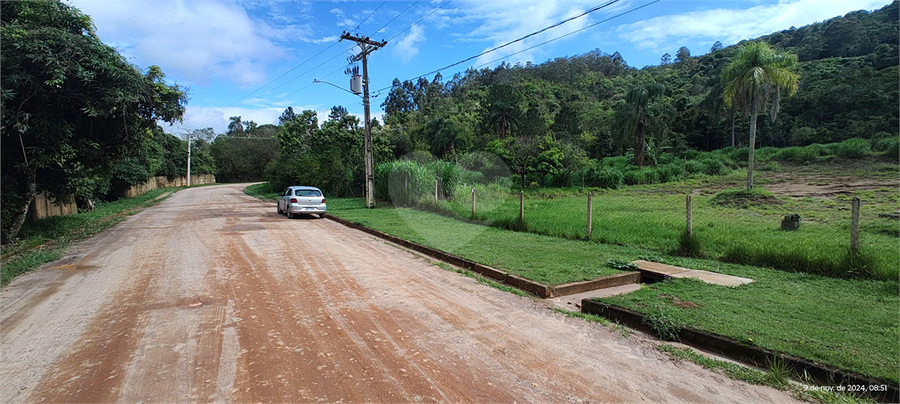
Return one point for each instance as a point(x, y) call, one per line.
point(212, 297)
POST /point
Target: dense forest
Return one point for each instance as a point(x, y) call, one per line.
point(89, 127)
point(551, 119)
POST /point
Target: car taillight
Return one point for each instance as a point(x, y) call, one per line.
point(293, 200)
point(323, 200)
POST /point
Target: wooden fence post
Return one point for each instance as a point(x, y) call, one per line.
point(522, 206)
point(590, 214)
point(854, 227)
point(473, 203)
point(690, 219)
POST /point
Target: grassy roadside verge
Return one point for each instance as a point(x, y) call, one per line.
point(46, 240)
point(517, 253)
point(847, 323)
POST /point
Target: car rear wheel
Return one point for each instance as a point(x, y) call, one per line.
point(321, 215)
point(289, 214)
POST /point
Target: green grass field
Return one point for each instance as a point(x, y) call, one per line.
point(654, 216)
point(852, 324)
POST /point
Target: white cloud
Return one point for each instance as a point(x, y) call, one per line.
point(195, 41)
point(502, 22)
point(408, 47)
point(197, 117)
point(729, 25)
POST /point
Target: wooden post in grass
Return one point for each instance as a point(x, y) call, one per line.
point(435, 189)
point(473, 203)
point(854, 227)
point(590, 213)
point(522, 206)
point(690, 219)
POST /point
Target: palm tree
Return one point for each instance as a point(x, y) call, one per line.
point(235, 126)
point(636, 115)
point(756, 75)
point(504, 115)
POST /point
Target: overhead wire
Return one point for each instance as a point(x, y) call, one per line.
point(530, 35)
point(591, 10)
point(311, 58)
point(342, 67)
point(370, 14)
point(379, 29)
point(420, 20)
point(571, 33)
point(397, 16)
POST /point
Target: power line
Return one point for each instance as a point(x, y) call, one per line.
point(571, 33)
point(334, 57)
point(532, 34)
point(607, 4)
point(420, 20)
point(284, 74)
point(370, 14)
point(397, 16)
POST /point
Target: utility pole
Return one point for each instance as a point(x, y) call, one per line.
point(367, 46)
point(189, 160)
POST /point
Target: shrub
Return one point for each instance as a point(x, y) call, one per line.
point(798, 155)
point(693, 167)
point(640, 176)
point(886, 145)
point(740, 155)
point(595, 176)
point(712, 166)
point(669, 172)
point(853, 149)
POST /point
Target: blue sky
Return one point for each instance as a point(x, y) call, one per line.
point(255, 58)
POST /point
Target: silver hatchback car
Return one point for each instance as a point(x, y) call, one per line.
point(305, 200)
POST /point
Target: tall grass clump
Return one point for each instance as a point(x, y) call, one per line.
point(854, 148)
point(598, 177)
point(403, 182)
point(439, 186)
point(688, 245)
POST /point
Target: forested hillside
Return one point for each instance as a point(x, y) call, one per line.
point(566, 114)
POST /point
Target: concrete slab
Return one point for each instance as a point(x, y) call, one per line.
point(713, 277)
point(657, 268)
point(661, 271)
point(573, 302)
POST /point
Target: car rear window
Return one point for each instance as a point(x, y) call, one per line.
point(307, 192)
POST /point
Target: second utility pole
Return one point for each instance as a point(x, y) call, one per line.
point(367, 46)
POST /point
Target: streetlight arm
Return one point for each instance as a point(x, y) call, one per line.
point(337, 86)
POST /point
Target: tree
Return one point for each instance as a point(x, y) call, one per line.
point(503, 116)
point(447, 135)
point(503, 110)
point(636, 115)
point(665, 59)
point(72, 107)
point(294, 135)
point(287, 116)
point(756, 75)
point(235, 126)
point(716, 46)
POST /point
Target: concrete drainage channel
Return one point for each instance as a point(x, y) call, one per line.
point(578, 296)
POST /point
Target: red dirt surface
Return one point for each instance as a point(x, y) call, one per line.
point(212, 297)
